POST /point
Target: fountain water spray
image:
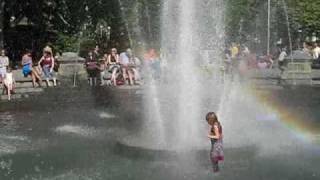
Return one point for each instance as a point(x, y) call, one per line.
point(174, 111)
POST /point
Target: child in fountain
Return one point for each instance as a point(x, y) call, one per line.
point(215, 135)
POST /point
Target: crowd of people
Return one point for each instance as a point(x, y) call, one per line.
point(240, 58)
point(46, 66)
point(312, 49)
point(110, 68)
point(115, 68)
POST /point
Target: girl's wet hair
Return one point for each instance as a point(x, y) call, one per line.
point(211, 118)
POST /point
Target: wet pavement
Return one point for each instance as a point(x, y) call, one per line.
point(73, 133)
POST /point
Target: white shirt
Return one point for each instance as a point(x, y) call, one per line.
point(4, 61)
point(8, 78)
point(282, 55)
point(124, 59)
point(316, 52)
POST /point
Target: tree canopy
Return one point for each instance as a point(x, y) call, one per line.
point(137, 22)
point(249, 17)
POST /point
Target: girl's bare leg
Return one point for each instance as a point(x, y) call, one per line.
point(113, 77)
point(136, 74)
point(54, 81)
point(130, 73)
point(33, 77)
point(9, 88)
point(124, 74)
point(95, 81)
point(36, 76)
point(48, 82)
point(3, 86)
point(90, 81)
point(102, 77)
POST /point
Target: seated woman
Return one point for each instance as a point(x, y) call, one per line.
point(114, 67)
point(128, 66)
point(47, 64)
point(136, 68)
point(27, 69)
point(9, 83)
point(103, 69)
point(133, 69)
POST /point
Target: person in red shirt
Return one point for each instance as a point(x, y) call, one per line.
point(47, 63)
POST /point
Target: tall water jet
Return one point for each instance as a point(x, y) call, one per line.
point(192, 38)
point(190, 29)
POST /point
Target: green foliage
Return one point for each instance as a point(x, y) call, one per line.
point(242, 15)
point(238, 11)
point(86, 46)
point(307, 14)
point(66, 43)
point(137, 22)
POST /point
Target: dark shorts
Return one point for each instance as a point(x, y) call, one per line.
point(92, 73)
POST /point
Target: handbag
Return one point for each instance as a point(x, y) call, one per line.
point(56, 65)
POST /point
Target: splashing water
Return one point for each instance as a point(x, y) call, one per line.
point(174, 112)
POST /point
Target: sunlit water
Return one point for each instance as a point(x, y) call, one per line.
point(80, 136)
point(108, 133)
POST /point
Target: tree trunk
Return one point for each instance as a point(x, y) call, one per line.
point(2, 2)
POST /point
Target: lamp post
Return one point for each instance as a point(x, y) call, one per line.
point(1, 22)
point(109, 32)
point(101, 30)
point(299, 38)
point(268, 38)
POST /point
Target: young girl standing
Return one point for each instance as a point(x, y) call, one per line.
point(215, 135)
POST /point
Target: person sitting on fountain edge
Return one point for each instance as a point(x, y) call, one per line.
point(114, 67)
point(47, 62)
point(28, 69)
point(9, 83)
point(127, 62)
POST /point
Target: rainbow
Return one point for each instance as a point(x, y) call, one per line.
point(294, 121)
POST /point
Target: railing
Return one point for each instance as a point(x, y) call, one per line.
point(299, 67)
point(298, 71)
